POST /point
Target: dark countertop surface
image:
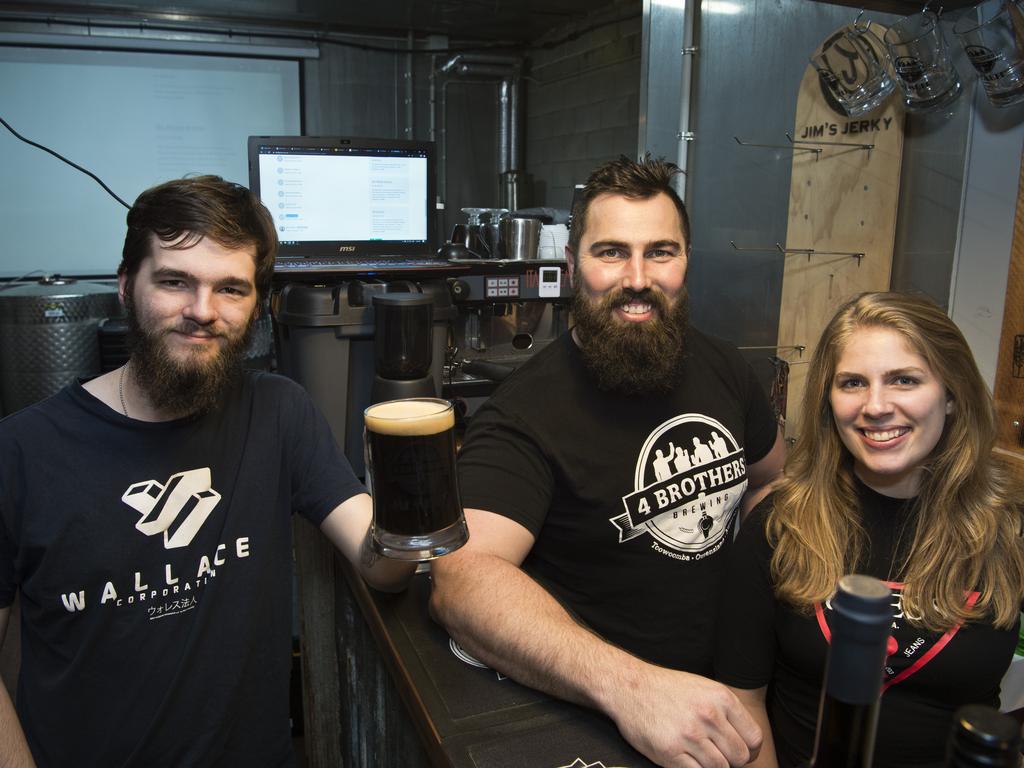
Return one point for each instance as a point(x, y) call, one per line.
point(468, 715)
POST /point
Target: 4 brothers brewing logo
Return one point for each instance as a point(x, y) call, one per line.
point(689, 479)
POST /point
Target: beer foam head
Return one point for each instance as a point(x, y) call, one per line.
point(410, 418)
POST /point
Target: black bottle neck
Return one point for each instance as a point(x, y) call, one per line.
point(846, 734)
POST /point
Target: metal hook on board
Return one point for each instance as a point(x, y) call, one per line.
point(787, 251)
point(773, 247)
point(779, 347)
point(815, 150)
point(737, 248)
point(866, 147)
point(858, 255)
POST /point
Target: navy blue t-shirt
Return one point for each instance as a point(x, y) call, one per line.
point(153, 562)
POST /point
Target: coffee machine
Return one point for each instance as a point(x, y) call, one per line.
point(505, 312)
point(510, 305)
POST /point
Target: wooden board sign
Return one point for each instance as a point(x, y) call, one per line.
point(1009, 384)
point(842, 200)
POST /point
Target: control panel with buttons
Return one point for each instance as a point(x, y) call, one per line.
point(502, 287)
point(546, 283)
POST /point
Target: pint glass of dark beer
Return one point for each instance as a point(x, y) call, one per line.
point(410, 461)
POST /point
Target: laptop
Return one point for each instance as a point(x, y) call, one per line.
point(348, 205)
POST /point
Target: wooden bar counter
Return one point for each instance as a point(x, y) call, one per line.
point(465, 716)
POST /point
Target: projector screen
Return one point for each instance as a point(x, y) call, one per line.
point(135, 119)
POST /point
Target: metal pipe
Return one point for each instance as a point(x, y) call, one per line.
point(410, 113)
point(504, 126)
point(506, 70)
point(688, 54)
point(438, 130)
point(515, 129)
point(482, 71)
point(449, 65)
point(473, 59)
point(443, 141)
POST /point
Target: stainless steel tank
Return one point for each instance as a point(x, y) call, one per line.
point(48, 336)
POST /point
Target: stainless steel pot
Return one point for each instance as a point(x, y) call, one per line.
point(521, 238)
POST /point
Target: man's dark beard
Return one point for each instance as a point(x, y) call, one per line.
point(178, 388)
point(632, 358)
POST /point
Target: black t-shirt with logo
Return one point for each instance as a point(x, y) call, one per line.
point(632, 500)
point(927, 675)
point(153, 562)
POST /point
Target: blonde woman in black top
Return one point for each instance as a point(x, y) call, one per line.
point(892, 475)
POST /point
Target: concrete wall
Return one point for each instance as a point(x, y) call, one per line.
point(350, 91)
point(581, 108)
point(353, 91)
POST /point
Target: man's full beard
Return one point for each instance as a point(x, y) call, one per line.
point(176, 387)
point(632, 358)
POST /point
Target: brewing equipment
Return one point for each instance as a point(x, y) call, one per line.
point(385, 336)
point(402, 346)
point(326, 341)
point(48, 336)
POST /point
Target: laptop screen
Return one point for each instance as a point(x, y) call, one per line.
point(346, 197)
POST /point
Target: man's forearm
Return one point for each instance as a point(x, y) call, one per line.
point(488, 603)
point(14, 751)
point(348, 527)
point(511, 623)
point(380, 572)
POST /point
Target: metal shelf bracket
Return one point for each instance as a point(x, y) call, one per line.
point(866, 147)
point(858, 255)
point(779, 348)
point(815, 150)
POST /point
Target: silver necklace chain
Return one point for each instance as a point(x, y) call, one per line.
point(120, 389)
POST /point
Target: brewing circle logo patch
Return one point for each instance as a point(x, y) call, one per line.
point(689, 478)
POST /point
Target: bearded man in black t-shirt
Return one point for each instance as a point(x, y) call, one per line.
point(145, 515)
point(597, 532)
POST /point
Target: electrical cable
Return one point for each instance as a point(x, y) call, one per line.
point(18, 280)
point(59, 156)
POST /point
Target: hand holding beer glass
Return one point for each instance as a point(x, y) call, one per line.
point(410, 462)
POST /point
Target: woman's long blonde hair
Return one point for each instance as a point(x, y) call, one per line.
point(968, 535)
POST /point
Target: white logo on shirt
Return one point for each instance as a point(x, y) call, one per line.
point(689, 478)
point(176, 509)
